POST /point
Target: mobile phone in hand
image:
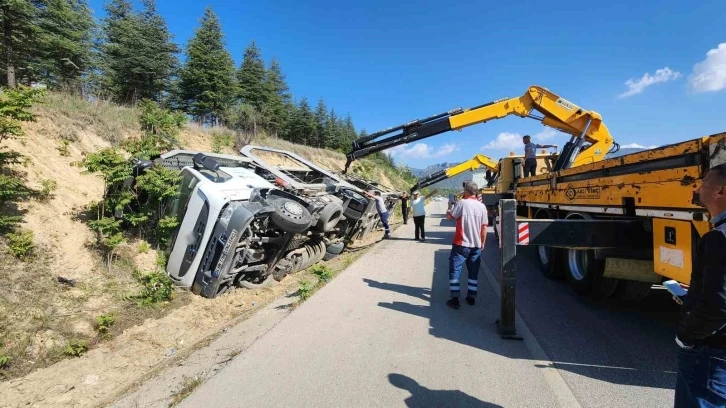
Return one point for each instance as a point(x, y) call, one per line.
point(675, 288)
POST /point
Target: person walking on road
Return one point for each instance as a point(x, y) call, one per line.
point(701, 335)
point(419, 214)
point(404, 207)
point(382, 211)
point(530, 155)
point(471, 231)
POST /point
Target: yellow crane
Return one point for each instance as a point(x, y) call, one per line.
point(584, 127)
point(472, 164)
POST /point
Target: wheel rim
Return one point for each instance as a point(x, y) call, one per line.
point(544, 254)
point(577, 261)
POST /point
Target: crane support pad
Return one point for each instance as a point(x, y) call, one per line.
point(582, 233)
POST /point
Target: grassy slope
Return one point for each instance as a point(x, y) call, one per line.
point(38, 316)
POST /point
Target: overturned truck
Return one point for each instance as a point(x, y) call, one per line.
point(245, 223)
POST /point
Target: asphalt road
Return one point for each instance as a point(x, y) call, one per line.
point(609, 354)
point(380, 335)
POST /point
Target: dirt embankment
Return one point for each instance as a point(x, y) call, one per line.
point(39, 316)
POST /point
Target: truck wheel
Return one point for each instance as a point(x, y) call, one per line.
point(551, 262)
point(256, 282)
point(290, 216)
point(579, 263)
point(585, 274)
point(633, 291)
point(329, 217)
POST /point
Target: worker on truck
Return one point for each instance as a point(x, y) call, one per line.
point(530, 155)
point(701, 378)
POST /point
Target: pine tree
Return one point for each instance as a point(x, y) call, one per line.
point(321, 118)
point(19, 30)
point(251, 79)
point(160, 52)
point(64, 42)
point(331, 130)
point(207, 81)
point(279, 105)
point(137, 55)
point(301, 128)
point(288, 128)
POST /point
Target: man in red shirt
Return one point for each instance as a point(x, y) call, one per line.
point(471, 230)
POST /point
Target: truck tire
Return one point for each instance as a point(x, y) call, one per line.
point(329, 217)
point(585, 274)
point(357, 201)
point(633, 291)
point(333, 250)
point(290, 215)
point(352, 213)
point(551, 262)
point(258, 283)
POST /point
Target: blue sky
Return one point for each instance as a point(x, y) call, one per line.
point(388, 62)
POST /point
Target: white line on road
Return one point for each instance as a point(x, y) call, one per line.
point(562, 392)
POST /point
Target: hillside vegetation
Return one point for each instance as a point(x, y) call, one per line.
point(67, 298)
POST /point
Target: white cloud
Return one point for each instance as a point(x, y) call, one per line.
point(709, 75)
point(505, 140)
point(421, 151)
point(638, 86)
point(636, 146)
point(546, 134)
point(513, 141)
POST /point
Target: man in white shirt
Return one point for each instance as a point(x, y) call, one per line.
point(471, 231)
point(382, 211)
point(419, 213)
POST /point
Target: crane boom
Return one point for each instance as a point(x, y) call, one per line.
point(556, 112)
point(472, 164)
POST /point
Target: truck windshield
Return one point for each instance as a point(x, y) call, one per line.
point(178, 205)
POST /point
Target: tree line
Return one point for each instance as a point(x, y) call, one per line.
point(130, 55)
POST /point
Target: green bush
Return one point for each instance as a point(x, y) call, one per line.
point(104, 322)
point(144, 247)
point(63, 148)
point(305, 290)
point(156, 287)
point(323, 272)
point(21, 245)
point(5, 361)
point(76, 348)
point(47, 189)
point(220, 141)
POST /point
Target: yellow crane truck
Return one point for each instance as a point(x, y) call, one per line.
point(474, 163)
point(639, 213)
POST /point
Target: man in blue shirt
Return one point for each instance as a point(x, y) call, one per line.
point(530, 155)
point(701, 336)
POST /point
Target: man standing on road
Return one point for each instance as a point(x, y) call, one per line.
point(382, 211)
point(701, 336)
point(404, 207)
point(419, 213)
point(530, 155)
point(471, 231)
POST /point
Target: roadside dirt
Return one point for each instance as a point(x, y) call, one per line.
point(39, 316)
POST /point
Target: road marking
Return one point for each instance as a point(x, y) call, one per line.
point(563, 393)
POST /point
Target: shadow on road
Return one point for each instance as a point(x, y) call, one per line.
point(616, 343)
point(421, 293)
point(424, 397)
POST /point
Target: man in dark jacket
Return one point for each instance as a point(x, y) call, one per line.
point(701, 337)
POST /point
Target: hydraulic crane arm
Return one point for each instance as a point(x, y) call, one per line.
point(582, 125)
point(472, 164)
